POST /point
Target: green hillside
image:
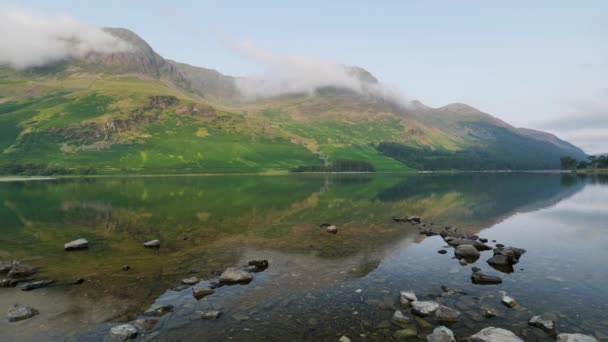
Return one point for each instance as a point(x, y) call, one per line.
point(137, 112)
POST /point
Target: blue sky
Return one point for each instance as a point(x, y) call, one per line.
point(539, 64)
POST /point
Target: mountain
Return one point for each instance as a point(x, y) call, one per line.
point(135, 111)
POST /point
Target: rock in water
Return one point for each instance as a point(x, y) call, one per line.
point(442, 251)
point(508, 300)
point(19, 312)
point(209, 314)
point(147, 324)
point(400, 319)
point(405, 334)
point(424, 308)
point(406, 297)
point(466, 251)
point(20, 269)
point(36, 285)
point(459, 241)
point(152, 244)
point(499, 260)
point(124, 331)
point(575, 338)
point(344, 339)
point(159, 310)
point(547, 326)
point(512, 254)
point(444, 314)
point(234, 275)
point(491, 334)
point(201, 292)
point(76, 244)
point(260, 264)
point(190, 281)
point(441, 334)
point(483, 279)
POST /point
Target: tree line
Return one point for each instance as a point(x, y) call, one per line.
point(31, 169)
point(338, 166)
point(592, 162)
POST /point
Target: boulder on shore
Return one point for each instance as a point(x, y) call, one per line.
point(20, 312)
point(76, 244)
point(152, 244)
point(491, 334)
point(424, 308)
point(234, 275)
point(441, 334)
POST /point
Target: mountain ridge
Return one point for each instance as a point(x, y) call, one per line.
point(137, 111)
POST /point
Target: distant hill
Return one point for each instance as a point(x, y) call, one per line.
point(135, 111)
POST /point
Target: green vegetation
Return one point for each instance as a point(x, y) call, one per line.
point(593, 163)
point(338, 166)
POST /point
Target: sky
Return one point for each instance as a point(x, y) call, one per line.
point(536, 64)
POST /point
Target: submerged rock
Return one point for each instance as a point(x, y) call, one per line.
point(451, 291)
point(159, 310)
point(405, 334)
point(400, 319)
point(20, 312)
point(491, 334)
point(575, 338)
point(483, 279)
point(201, 292)
point(442, 251)
point(490, 313)
point(424, 308)
point(152, 244)
point(36, 284)
point(445, 314)
point(466, 251)
point(441, 334)
point(547, 326)
point(76, 244)
point(124, 331)
point(209, 314)
point(234, 275)
point(147, 323)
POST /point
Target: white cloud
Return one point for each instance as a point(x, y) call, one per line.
point(302, 74)
point(29, 39)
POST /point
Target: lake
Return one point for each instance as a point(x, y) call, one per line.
point(319, 286)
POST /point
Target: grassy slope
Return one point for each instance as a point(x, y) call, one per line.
point(36, 113)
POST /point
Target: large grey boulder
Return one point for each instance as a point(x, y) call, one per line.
point(209, 314)
point(19, 312)
point(444, 314)
point(124, 332)
point(441, 334)
point(424, 308)
point(454, 242)
point(408, 296)
point(235, 275)
point(491, 334)
point(466, 251)
point(575, 338)
point(76, 244)
point(511, 254)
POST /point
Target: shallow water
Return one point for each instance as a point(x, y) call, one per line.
point(319, 286)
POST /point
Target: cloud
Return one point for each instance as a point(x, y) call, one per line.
point(29, 39)
point(303, 74)
point(585, 124)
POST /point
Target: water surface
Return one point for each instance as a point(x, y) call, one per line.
point(319, 286)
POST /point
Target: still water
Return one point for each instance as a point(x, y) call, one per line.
point(319, 286)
